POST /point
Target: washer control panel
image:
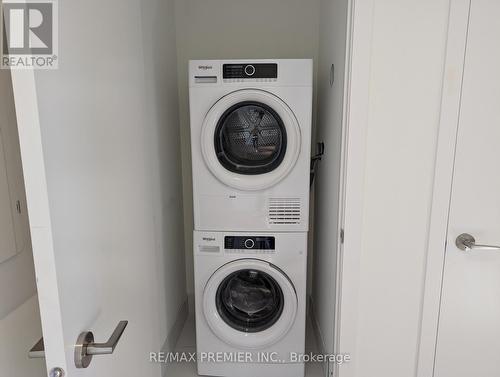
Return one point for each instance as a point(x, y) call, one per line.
point(249, 243)
point(250, 71)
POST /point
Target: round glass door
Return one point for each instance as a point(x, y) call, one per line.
point(249, 303)
point(249, 300)
point(250, 138)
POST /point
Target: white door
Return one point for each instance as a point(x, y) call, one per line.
point(468, 342)
point(97, 138)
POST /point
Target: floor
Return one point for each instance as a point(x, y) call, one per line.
point(187, 343)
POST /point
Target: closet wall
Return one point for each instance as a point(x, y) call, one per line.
point(333, 45)
point(232, 29)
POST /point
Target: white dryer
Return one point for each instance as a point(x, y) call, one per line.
point(250, 144)
point(250, 294)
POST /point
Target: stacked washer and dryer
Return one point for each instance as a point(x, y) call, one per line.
point(251, 137)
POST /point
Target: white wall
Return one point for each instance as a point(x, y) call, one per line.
point(162, 110)
point(20, 325)
point(404, 72)
point(231, 29)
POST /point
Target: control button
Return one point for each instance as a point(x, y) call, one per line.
point(249, 243)
point(250, 70)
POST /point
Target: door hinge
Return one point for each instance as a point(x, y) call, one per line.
point(18, 206)
point(330, 369)
point(342, 236)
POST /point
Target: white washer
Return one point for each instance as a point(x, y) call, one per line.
point(250, 144)
point(250, 294)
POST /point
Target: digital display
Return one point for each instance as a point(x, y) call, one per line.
point(250, 71)
point(249, 242)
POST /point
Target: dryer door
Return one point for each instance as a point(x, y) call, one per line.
point(252, 298)
point(250, 139)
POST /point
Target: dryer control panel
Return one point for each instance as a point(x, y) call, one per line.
point(249, 242)
point(250, 71)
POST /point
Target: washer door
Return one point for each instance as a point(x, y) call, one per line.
point(249, 303)
point(250, 139)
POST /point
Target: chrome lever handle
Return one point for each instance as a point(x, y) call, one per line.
point(86, 348)
point(110, 345)
point(466, 242)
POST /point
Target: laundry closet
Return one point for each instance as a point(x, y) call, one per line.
point(107, 149)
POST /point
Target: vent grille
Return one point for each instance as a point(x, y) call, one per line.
point(284, 211)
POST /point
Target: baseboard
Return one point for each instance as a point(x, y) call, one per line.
point(176, 329)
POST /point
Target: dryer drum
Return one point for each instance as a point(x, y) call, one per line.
point(249, 300)
point(250, 138)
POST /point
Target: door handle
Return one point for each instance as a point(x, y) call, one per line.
point(86, 348)
point(466, 242)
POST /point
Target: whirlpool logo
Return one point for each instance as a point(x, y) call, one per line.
point(29, 34)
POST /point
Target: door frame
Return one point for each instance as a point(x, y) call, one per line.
point(353, 160)
point(456, 46)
